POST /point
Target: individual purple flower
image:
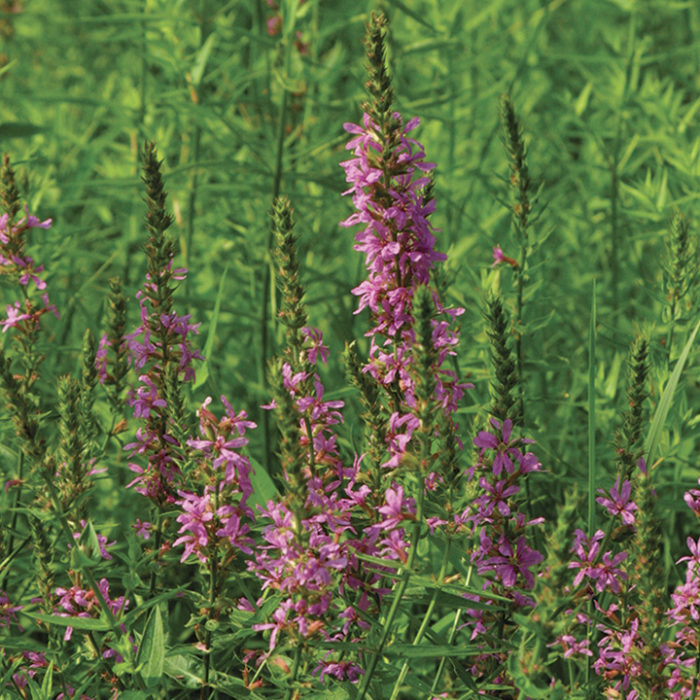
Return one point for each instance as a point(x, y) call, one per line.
point(513, 562)
point(339, 669)
point(619, 503)
point(507, 452)
point(607, 574)
point(572, 646)
point(197, 513)
point(32, 222)
point(692, 500)
point(143, 529)
point(587, 552)
point(499, 257)
point(146, 398)
point(495, 496)
point(15, 316)
point(316, 347)
point(7, 611)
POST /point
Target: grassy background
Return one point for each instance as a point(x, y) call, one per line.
point(609, 93)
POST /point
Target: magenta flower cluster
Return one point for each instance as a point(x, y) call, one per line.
point(160, 339)
point(502, 554)
point(621, 646)
point(220, 515)
point(389, 195)
point(312, 558)
point(22, 269)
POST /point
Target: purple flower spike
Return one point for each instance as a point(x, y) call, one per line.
point(619, 501)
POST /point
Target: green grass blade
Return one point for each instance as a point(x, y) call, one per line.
point(202, 373)
point(592, 464)
point(657, 423)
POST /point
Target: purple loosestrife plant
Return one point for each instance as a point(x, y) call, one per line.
point(307, 559)
point(502, 554)
point(161, 351)
point(683, 652)
point(390, 187)
point(614, 630)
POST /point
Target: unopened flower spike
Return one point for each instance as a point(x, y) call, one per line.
point(379, 83)
point(681, 275)
point(504, 383)
point(292, 312)
point(520, 176)
point(629, 439)
point(9, 193)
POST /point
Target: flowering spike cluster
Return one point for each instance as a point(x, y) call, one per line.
point(22, 270)
point(73, 457)
point(312, 541)
point(631, 655)
point(682, 656)
point(162, 340)
point(292, 312)
point(304, 557)
point(503, 555)
point(23, 316)
point(9, 193)
point(113, 376)
point(219, 518)
point(379, 83)
point(398, 243)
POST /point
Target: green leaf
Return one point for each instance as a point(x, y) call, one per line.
point(47, 683)
point(18, 130)
point(179, 666)
point(330, 694)
point(89, 543)
point(264, 488)
point(202, 57)
point(203, 370)
point(437, 651)
point(130, 617)
point(78, 623)
point(7, 66)
point(582, 100)
point(151, 656)
point(657, 423)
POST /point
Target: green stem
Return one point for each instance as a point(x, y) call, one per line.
point(213, 566)
point(196, 140)
point(519, 326)
point(295, 672)
point(424, 623)
point(158, 541)
point(269, 271)
point(614, 233)
point(15, 514)
point(450, 639)
point(388, 623)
